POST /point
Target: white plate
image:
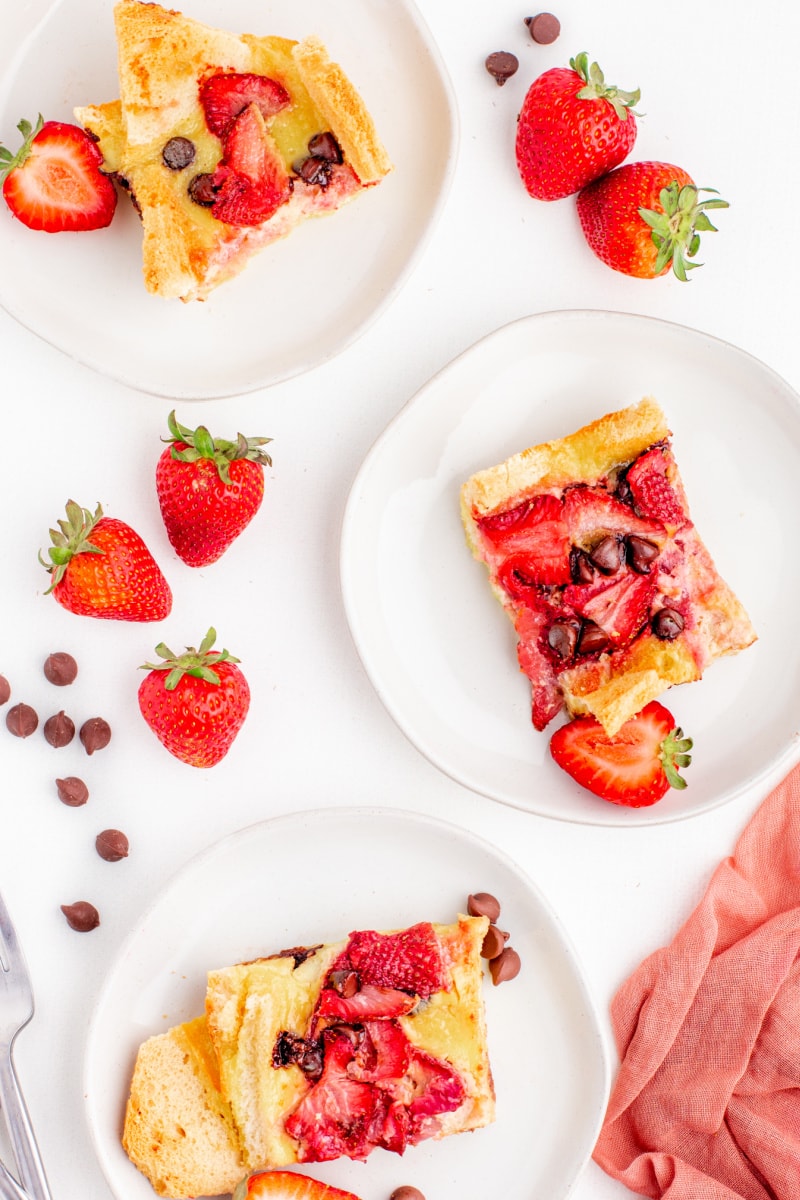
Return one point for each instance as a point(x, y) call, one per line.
point(440, 651)
point(313, 877)
point(297, 303)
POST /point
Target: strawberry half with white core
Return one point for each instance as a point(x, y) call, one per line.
point(635, 767)
point(53, 183)
point(287, 1185)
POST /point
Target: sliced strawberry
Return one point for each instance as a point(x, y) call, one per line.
point(546, 699)
point(382, 1056)
point(251, 182)
point(635, 767)
point(410, 960)
point(536, 533)
point(591, 515)
point(371, 1002)
point(224, 96)
point(619, 606)
point(439, 1090)
point(649, 479)
point(54, 182)
point(287, 1185)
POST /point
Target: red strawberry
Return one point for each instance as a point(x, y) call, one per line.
point(54, 182)
point(251, 182)
point(209, 490)
point(635, 767)
point(590, 514)
point(652, 490)
point(645, 217)
point(196, 702)
point(287, 1185)
point(546, 697)
point(620, 606)
point(573, 128)
point(100, 567)
point(410, 960)
point(224, 96)
point(536, 535)
point(368, 1003)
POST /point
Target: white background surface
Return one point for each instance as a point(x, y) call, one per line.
point(721, 101)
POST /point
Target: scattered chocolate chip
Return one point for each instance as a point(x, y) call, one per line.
point(325, 145)
point(95, 734)
point(203, 190)
point(506, 966)
point(60, 669)
point(59, 730)
point(178, 153)
point(667, 624)
point(346, 983)
point(640, 553)
point(608, 555)
point(314, 170)
point(112, 845)
point(494, 942)
point(407, 1193)
point(5, 690)
point(544, 28)
point(22, 720)
point(562, 637)
point(72, 791)
point(483, 904)
point(81, 916)
point(306, 1054)
point(298, 953)
point(581, 569)
point(592, 639)
point(502, 65)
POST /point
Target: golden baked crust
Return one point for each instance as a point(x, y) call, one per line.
point(615, 685)
point(162, 58)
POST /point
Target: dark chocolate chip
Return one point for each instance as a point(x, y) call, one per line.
point(562, 637)
point(667, 624)
point(640, 553)
point(544, 28)
point(314, 170)
point(5, 690)
point(59, 730)
point(178, 153)
point(581, 569)
point(95, 734)
point(112, 845)
point(406, 1192)
point(203, 190)
point(592, 639)
point(502, 65)
point(483, 904)
point(60, 668)
point(506, 966)
point(81, 916)
point(346, 983)
point(22, 720)
point(72, 791)
point(608, 555)
point(325, 145)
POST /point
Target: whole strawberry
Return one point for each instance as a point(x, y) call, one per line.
point(100, 567)
point(645, 217)
point(209, 490)
point(196, 702)
point(573, 128)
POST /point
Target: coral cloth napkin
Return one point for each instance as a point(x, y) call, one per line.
point(706, 1105)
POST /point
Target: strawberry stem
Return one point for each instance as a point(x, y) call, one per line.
point(676, 228)
point(196, 662)
point(597, 89)
point(71, 538)
point(9, 161)
point(674, 753)
point(198, 443)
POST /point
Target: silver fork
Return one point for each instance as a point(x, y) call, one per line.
point(16, 1010)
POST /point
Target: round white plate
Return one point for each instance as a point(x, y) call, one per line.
point(437, 646)
point(313, 877)
point(297, 303)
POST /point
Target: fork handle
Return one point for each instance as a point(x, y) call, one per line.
point(9, 1188)
point(29, 1161)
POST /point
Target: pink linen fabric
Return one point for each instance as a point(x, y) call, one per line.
point(706, 1105)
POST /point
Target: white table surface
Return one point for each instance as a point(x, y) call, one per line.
point(721, 98)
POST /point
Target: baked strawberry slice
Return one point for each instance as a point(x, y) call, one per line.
point(251, 183)
point(370, 1002)
point(225, 95)
point(287, 1185)
point(383, 1054)
point(619, 607)
point(635, 767)
point(410, 960)
point(655, 496)
point(439, 1090)
point(536, 534)
point(590, 515)
point(531, 625)
point(54, 183)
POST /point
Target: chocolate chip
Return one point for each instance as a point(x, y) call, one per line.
point(5, 690)
point(346, 983)
point(608, 555)
point(544, 28)
point(112, 845)
point(81, 916)
point(72, 791)
point(21, 720)
point(325, 145)
point(95, 734)
point(494, 942)
point(506, 966)
point(203, 190)
point(406, 1192)
point(483, 904)
point(314, 170)
point(592, 638)
point(640, 553)
point(60, 668)
point(581, 569)
point(562, 637)
point(59, 730)
point(667, 624)
point(178, 153)
point(501, 66)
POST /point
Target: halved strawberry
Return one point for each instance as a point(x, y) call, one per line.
point(287, 1185)
point(410, 960)
point(591, 514)
point(370, 1002)
point(54, 182)
point(225, 95)
point(536, 531)
point(652, 490)
point(635, 767)
point(251, 182)
point(620, 606)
